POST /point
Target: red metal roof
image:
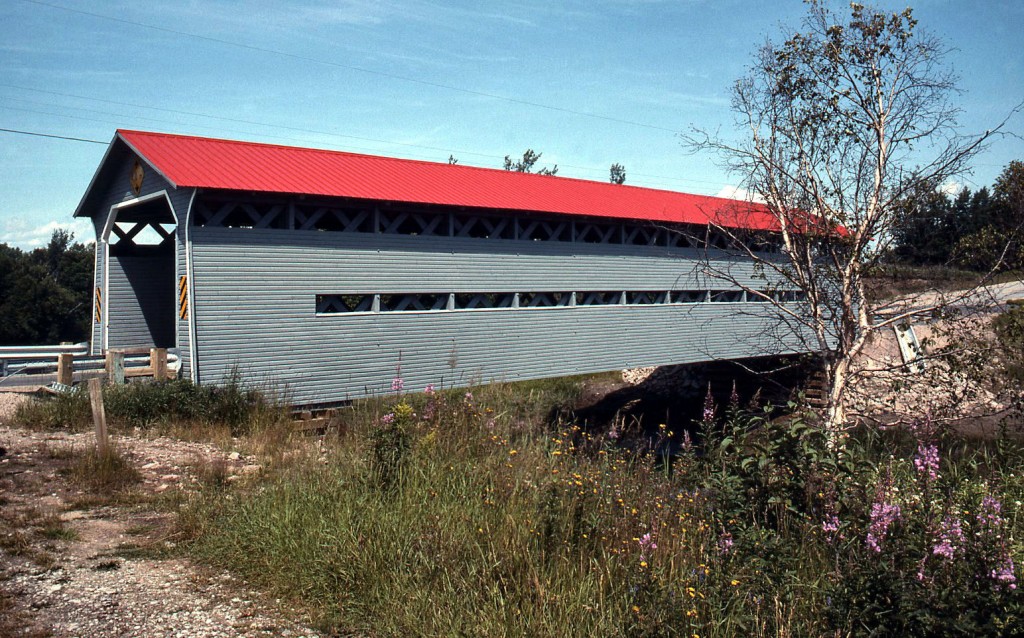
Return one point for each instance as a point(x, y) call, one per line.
point(223, 164)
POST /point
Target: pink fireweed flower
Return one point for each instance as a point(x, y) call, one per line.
point(647, 544)
point(388, 418)
point(927, 460)
point(1003, 574)
point(883, 515)
point(429, 390)
point(725, 543)
point(951, 537)
point(989, 514)
point(920, 568)
point(830, 525)
point(709, 407)
point(397, 384)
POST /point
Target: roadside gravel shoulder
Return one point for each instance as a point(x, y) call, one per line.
point(78, 564)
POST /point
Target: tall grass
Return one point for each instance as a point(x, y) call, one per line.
point(487, 512)
point(466, 513)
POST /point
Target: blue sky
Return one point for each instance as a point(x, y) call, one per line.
point(587, 83)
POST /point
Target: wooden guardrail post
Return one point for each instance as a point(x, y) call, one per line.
point(158, 363)
point(65, 368)
point(99, 415)
point(115, 366)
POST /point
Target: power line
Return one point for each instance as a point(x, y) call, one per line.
point(288, 128)
point(239, 121)
point(56, 137)
point(393, 76)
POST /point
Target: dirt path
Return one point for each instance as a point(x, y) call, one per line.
point(74, 563)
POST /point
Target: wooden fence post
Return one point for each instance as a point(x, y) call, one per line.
point(158, 362)
point(115, 366)
point(65, 368)
point(99, 415)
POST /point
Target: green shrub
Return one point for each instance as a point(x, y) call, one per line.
point(69, 411)
point(145, 404)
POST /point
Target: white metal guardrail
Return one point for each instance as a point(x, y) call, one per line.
point(14, 359)
point(910, 347)
point(25, 362)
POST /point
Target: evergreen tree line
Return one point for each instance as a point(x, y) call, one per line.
point(979, 230)
point(45, 294)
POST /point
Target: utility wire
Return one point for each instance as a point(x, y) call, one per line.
point(238, 121)
point(56, 137)
point(393, 76)
point(456, 152)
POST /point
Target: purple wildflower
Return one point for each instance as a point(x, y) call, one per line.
point(388, 418)
point(830, 525)
point(927, 460)
point(990, 513)
point(950, 538)
point(397, 384)
point(469, 397)
point(883, 515)
point(647, 544)
point(709, 407)
point(725, 543)
point(429, 390)
point(1004, 575)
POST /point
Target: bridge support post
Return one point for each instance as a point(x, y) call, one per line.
point(115, 366)
point(65, 368)
point(99, 415)
point(158, 362)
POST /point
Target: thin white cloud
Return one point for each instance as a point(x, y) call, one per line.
point(735, 192)
point(951, 188)
point(20, 234)
point(654, 97)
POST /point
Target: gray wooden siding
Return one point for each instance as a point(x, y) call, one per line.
point(116, 189)
point(140, 299)
point(255, 310)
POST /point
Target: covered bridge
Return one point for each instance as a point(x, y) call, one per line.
point(319, 272)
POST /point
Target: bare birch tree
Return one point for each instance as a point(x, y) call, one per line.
point(840, 122)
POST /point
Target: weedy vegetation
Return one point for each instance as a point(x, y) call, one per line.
point(177, 408)
point(492, 511)
point(470, 513)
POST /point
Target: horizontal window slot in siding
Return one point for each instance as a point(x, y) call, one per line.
point(340, 304)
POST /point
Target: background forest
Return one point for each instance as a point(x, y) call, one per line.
point(45, 293)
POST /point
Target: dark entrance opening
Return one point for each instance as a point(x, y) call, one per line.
point(140, 284)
